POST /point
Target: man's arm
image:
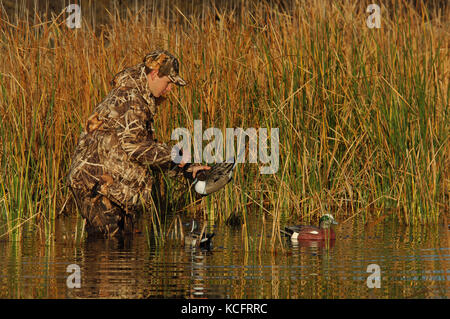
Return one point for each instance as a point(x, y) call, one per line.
point(134, 140)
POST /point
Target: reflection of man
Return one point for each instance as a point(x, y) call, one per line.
point(110, 174)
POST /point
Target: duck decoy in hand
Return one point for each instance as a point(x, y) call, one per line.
point(198, 239)
point(303, 232)
point(209, 181)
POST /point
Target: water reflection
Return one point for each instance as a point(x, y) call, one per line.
point(413, 262)
point(313, 244)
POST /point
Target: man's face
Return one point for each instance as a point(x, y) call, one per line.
point(159, 86)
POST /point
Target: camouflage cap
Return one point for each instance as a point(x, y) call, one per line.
point(166, 63)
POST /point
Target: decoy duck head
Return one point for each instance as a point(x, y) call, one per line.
point(326, 221)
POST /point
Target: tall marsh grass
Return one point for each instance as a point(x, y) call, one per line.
point(362, 113)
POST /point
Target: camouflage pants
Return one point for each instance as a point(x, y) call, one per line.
point(103, 217)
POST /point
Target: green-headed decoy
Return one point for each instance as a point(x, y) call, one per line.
point(303, 232)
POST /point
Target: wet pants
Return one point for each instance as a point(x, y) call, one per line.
point(103, 217)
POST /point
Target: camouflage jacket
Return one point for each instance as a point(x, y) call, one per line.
point(117, 149)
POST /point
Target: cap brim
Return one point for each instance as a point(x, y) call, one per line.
point(178, 80)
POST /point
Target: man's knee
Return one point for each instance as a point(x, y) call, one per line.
point(102, 215)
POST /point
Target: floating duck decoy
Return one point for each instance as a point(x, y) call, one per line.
point(303, 232)
point(197, 238)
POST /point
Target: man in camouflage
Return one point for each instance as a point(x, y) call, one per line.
point(110, 175)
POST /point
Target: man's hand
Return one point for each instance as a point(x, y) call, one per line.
point(195, 169)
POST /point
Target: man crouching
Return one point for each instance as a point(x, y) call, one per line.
point(110, 175)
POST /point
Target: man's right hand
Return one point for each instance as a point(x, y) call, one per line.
point(195, 169)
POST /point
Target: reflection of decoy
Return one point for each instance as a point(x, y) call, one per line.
point(313, 243)
point(209, 181)
point(198, 239)
point(302, 232)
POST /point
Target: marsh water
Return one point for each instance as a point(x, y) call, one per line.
point(413, 263)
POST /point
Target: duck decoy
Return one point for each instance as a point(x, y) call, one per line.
point(197, 238)
point(303, 232)
point(209, 181)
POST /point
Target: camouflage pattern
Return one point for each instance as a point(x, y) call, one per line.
point(110, 175)
point(166, 63)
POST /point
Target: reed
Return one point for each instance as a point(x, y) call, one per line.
point(362, 113)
